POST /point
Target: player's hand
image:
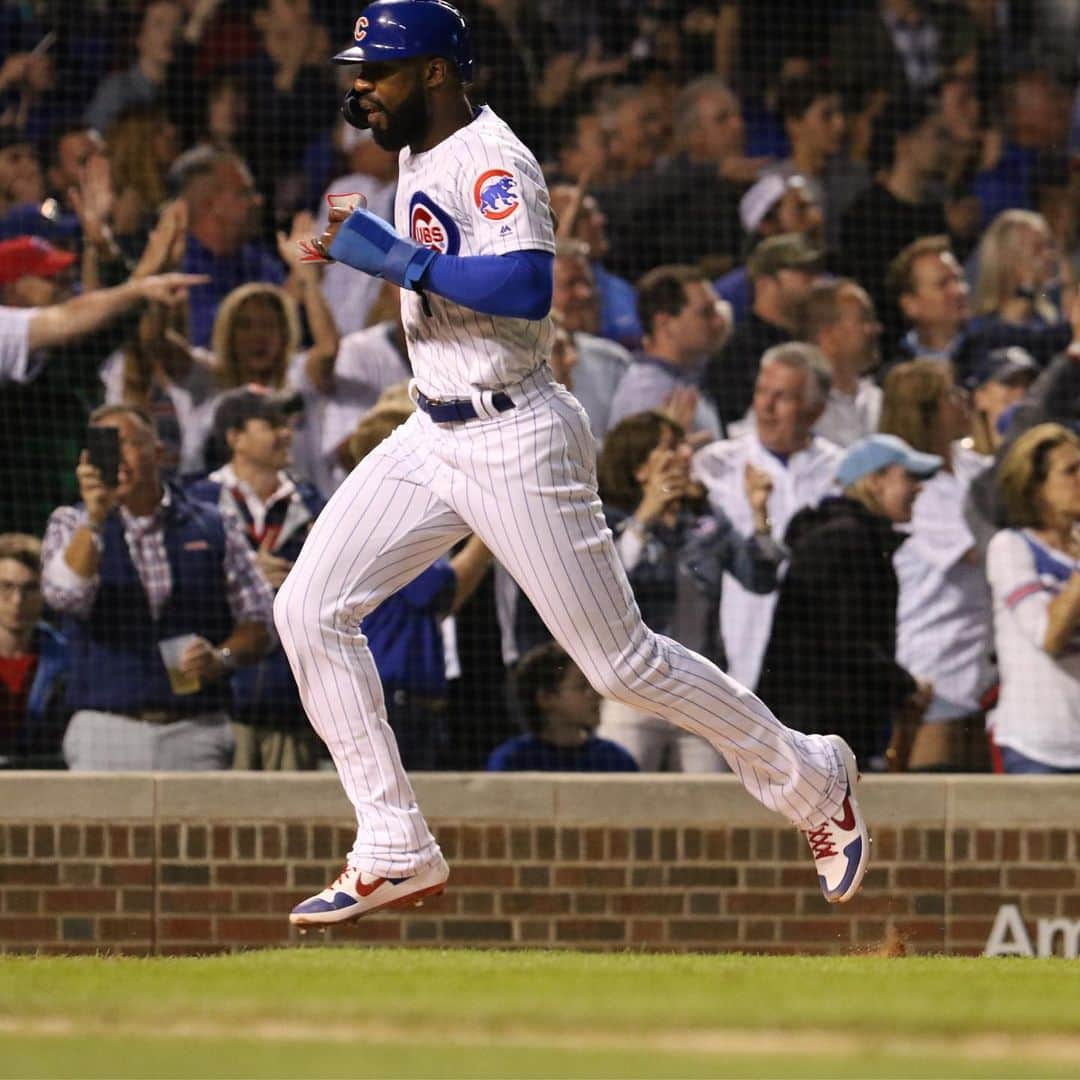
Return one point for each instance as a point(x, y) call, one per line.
point(96, 497)
point(368, 244)
point(316, 249)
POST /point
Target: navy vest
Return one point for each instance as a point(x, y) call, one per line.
point(115, 662)
point(268, 687)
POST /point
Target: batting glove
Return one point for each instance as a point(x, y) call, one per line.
point(367, 243)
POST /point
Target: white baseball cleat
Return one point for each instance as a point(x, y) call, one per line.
point(841, 845)
point(355, 893)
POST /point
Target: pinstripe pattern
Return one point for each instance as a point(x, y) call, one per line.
point(525, 482)
point(456, 349)
point(425, 487)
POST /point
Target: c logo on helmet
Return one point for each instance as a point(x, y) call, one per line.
point(360, 30)
point(495, 194)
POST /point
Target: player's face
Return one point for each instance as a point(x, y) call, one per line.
point(896, 491)
point(20, 597)
point(395, 101)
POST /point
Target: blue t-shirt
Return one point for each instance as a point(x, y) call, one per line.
point(530, 753)
point(226, 272)
point(618, 308)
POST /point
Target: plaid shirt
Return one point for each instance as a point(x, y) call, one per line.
point(249, 595)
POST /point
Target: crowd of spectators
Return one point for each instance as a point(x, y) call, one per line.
point(816, 287)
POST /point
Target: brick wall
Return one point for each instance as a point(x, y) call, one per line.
point(171, 864)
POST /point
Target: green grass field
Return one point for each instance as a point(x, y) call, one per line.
point(317, 1012)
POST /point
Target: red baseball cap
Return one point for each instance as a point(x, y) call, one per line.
point(30, 255)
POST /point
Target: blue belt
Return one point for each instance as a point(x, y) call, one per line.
point(446, 412)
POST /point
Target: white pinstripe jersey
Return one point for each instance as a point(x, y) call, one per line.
point(478, 192)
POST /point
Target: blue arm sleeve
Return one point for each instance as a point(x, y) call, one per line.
point(517, 285)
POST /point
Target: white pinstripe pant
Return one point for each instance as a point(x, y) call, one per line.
point(525, 483)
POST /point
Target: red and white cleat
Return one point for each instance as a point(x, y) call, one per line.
point(355, 893)
point(841, 845)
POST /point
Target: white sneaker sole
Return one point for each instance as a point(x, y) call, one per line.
point(409, 893)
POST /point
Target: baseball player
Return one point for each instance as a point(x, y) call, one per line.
point(500, 449)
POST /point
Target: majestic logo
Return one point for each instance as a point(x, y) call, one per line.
point(432, 227)
point(495, 195)
point(360, 30)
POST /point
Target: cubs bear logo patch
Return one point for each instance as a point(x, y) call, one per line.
point(495, 194)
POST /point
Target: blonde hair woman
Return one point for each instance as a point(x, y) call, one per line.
point(1034, 571)
point(1017, 262)
point(256, 336)
point(256, 339)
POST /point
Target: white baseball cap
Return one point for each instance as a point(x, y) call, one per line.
point(763, 196)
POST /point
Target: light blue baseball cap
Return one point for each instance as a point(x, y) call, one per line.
point(875, 452)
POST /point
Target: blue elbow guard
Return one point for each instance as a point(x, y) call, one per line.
point(516, 286)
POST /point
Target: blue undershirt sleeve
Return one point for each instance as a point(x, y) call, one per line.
point(517, 285)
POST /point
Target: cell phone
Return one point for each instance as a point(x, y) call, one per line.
point(103, 449)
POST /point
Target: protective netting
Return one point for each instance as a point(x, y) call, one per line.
point(882, 192)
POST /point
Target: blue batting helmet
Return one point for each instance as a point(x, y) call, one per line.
point(390, 30)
